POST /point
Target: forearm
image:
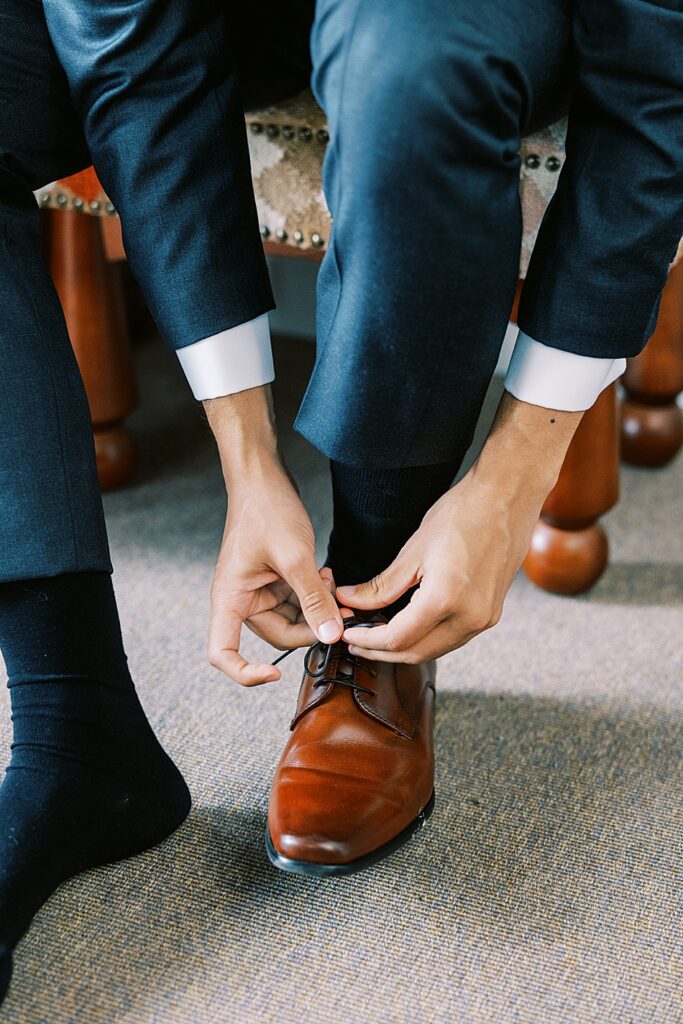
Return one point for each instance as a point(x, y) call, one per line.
point(525, 448)
point(243, 425)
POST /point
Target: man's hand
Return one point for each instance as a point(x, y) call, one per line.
point(470, 544)
point(266, 572)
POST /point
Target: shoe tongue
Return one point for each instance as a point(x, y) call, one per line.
point(382, 702)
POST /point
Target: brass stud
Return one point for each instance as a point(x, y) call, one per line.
point(255, 128)
point(61, 200)
point(533, 160)
point(281, 235)
point(288, 132)
point(45, 198)
point(323, 135)
point(265, 231)
point(94, 205)
point(298, 237)
point(272, 131)
point(77, 203)
point(110, 208)
point(553, 163)
point(306, 134)
point(317, 240)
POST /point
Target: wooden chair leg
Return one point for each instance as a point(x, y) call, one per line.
point(569, 548)
point(90, 292)
point(651, 420)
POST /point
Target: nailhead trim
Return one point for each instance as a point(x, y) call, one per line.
point(289, 132)
point(282, 236)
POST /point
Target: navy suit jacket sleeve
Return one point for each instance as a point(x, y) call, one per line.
point(155, 85)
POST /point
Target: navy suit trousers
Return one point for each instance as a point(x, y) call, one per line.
point(427, 103)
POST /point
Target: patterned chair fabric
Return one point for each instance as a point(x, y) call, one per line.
point(287, 143)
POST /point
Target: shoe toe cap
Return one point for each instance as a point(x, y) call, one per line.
point(327, 821)
point(305, 846)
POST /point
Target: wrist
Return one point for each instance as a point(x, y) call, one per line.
point(243, 425)
point(525, 450)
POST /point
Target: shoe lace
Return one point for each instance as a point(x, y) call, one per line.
point(340, 651)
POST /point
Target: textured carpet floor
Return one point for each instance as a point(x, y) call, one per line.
point(548, 885)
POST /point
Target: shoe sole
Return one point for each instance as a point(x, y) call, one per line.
point(315, 870)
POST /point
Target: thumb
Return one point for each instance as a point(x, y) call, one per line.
point(381, 590)
point(319, 607)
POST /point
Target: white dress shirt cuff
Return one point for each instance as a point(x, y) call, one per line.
point(555, 379)
point(234, 360)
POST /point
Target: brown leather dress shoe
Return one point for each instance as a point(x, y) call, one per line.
point(356, 778)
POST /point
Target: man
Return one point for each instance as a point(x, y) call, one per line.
point(426, 104)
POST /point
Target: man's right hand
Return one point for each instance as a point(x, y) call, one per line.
point(266, 574)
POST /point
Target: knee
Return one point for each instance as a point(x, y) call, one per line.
point(404, 87)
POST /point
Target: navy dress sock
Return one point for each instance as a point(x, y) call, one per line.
point(375, 513)
point(88, 783)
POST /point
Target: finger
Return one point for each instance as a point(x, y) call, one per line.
point(327, 576)
point(273, 595)
point(283, 625)
point(224, 643)
point(381, 590)
point(279, 596)
point(318, 606)
point(277, 630)
point(288, 634)
point(237, 668)
point(418, 619)
point(288, 598)
point(444, 639)
point(289, 610)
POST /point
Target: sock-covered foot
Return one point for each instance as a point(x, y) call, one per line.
point(88, 782)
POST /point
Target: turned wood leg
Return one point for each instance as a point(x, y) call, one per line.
point(90, 292)
point(569, 549)
point(651, 420)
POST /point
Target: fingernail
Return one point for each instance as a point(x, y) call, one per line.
point(329, 631)
point(349, 590)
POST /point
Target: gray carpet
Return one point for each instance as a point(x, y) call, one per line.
point(548, 885)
